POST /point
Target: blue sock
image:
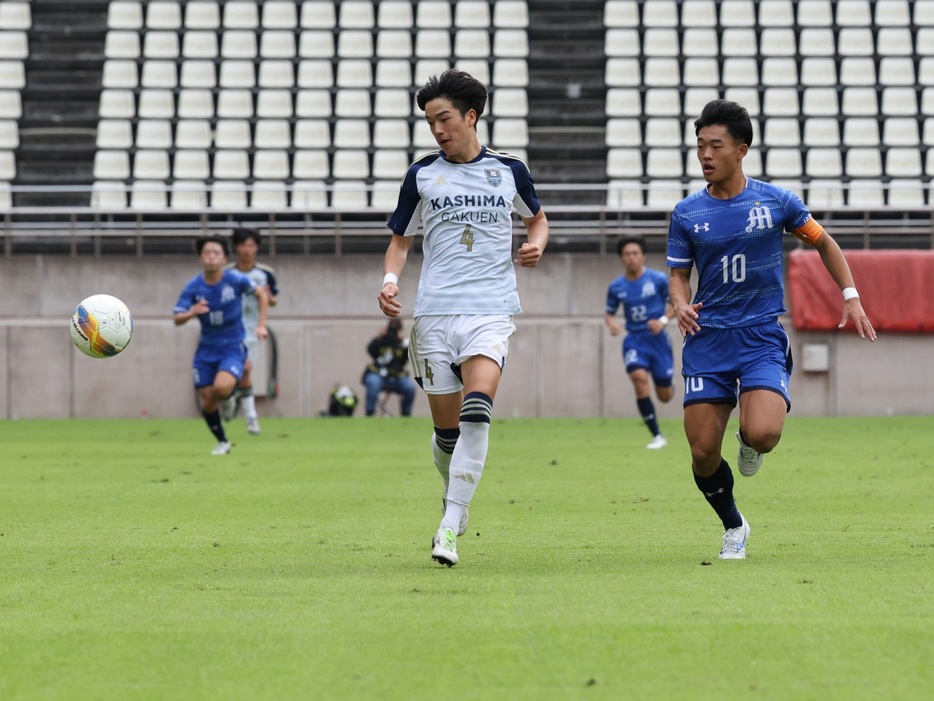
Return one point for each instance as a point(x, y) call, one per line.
point(647, 409)
point(718, 490)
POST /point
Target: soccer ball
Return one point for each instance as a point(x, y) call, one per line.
point(101, 326)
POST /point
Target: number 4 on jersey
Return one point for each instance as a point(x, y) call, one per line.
point(467, 238)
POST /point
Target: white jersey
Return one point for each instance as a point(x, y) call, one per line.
point(466, 212)
point(262, 276)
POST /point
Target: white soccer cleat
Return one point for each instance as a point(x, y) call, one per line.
point(252, 425)
point(657, 443)
point(748, 460)
point(222, 448)
point(734, 542)
point(444, 547)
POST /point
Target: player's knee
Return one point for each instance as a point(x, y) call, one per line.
point(665, 394)
point(762, 440)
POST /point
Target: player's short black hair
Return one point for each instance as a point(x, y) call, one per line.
point(463, 90)
point(214, 238)
point(626, 240)
point(731, 115)
point(241, 234)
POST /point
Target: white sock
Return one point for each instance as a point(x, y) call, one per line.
point(249, 406)
point(465, 471)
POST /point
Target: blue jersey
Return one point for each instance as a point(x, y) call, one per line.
point(736, 246)
point(223, 324)
point(643, 298)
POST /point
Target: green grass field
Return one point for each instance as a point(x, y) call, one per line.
point(134, 565)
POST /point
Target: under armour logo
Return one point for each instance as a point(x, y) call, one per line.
point(701, 227)
point(759, 218)
point(713, 494)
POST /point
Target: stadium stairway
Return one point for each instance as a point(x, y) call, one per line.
point(567, 97)
point(60, 100)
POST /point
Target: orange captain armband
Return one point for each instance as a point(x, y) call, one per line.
point(809, 232)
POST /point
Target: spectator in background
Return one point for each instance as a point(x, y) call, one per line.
point(246, 244)
point(643, 294)
point(214, 296)
point(389, 354)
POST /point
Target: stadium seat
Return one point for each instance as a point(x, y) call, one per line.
point(156, 103)
point(385, 195)
point(899, 102)
point(820, 102)
point(125, 14)
point(700, 41)
point(818, 71)
point(779, 72)
point(313, 104)
point(393, 73)
point(695, 99)
point(479, 68)
point(511, 14)
point(163, 14)
point(472, 13)
point(159, 74)
point(230, 164)
point(662, 102)
point(625, 194)
point(272, 134)
point(619, 13)
point(279, 14)
point(349, 194)
point(901, 131)
point(120, 74)
point(314, 133)
point(662, 131)
point(315, 73)
point(778, 41)
point(195, 103)
point(747, 97)
point(354, 73)
point(815, 13)
point(111, 165)
point(822, 162)
point(390, 163)
point(311, 164)
point(12, 75)
point(624, 163)
point(776, 13)
point(739, 41)
point(865, 193)
point(780, 102)
point(856, 71)
point(664, 163)
point(661, 72)
point(472, 43)
point(510, 43)
point(121, 44)
point(191, 164)
point(781, 131)
point(198, 74)
point(855, 41)
point(274, 104)
point(153, 134)
point(623, 102)
point(308, 194)
point(114, 104)
point(395, 14)
point(664, 194)
point(152, 164)
point(660, 13)
point(189, 194)
point(320, 14)
point(277, 43)
point(860, 102)
point(241, 14)
point(228, 195)
point(269, 194)
point(234, 104)
point(903, 162)
point(232, 134)
point(111, 134)
point(698, 13)
point(352, 133)
point(895, 70)
point(434, 14)
point(510, 133)
point(862, 162)
point(238, 43)
point(271, 164)
point(661, 42)
point(316, 43)
point(202, 15)
point(860, 131)
point(816, 41)
point(392, 133)
point(824, 192)
point(853, 13)
point(905, 192)
point(199, 44)
point(783, 163)
point(509, 102)
point(740, 72)
point(895, 41)
point(108, 194)
point(924, 13)
point(622, 42)
point(148, 194)
point(737, 13)
point(159, 44)
point(193, 133)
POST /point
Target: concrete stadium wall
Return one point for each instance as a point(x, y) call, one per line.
point(562, 361)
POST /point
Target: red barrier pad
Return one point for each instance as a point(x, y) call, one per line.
point(896, 289)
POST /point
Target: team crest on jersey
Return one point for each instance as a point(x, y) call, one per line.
point(759, 218)
point(493, 176)
point(648, 289)
point(227, 293)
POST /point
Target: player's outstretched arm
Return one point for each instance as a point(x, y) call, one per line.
point(839, 270)
point(396, 255)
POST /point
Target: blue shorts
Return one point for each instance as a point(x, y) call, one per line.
point(209, 360)
point(646, 351)
point(720, 364)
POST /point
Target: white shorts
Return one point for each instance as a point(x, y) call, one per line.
point(439, 342)
point(252, 348)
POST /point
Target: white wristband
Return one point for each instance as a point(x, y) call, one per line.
point(390, 277)
point(850, 293)
point(664, 319)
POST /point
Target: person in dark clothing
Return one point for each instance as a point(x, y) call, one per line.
point(387, 369)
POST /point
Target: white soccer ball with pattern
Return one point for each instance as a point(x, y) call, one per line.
point(101, 326)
